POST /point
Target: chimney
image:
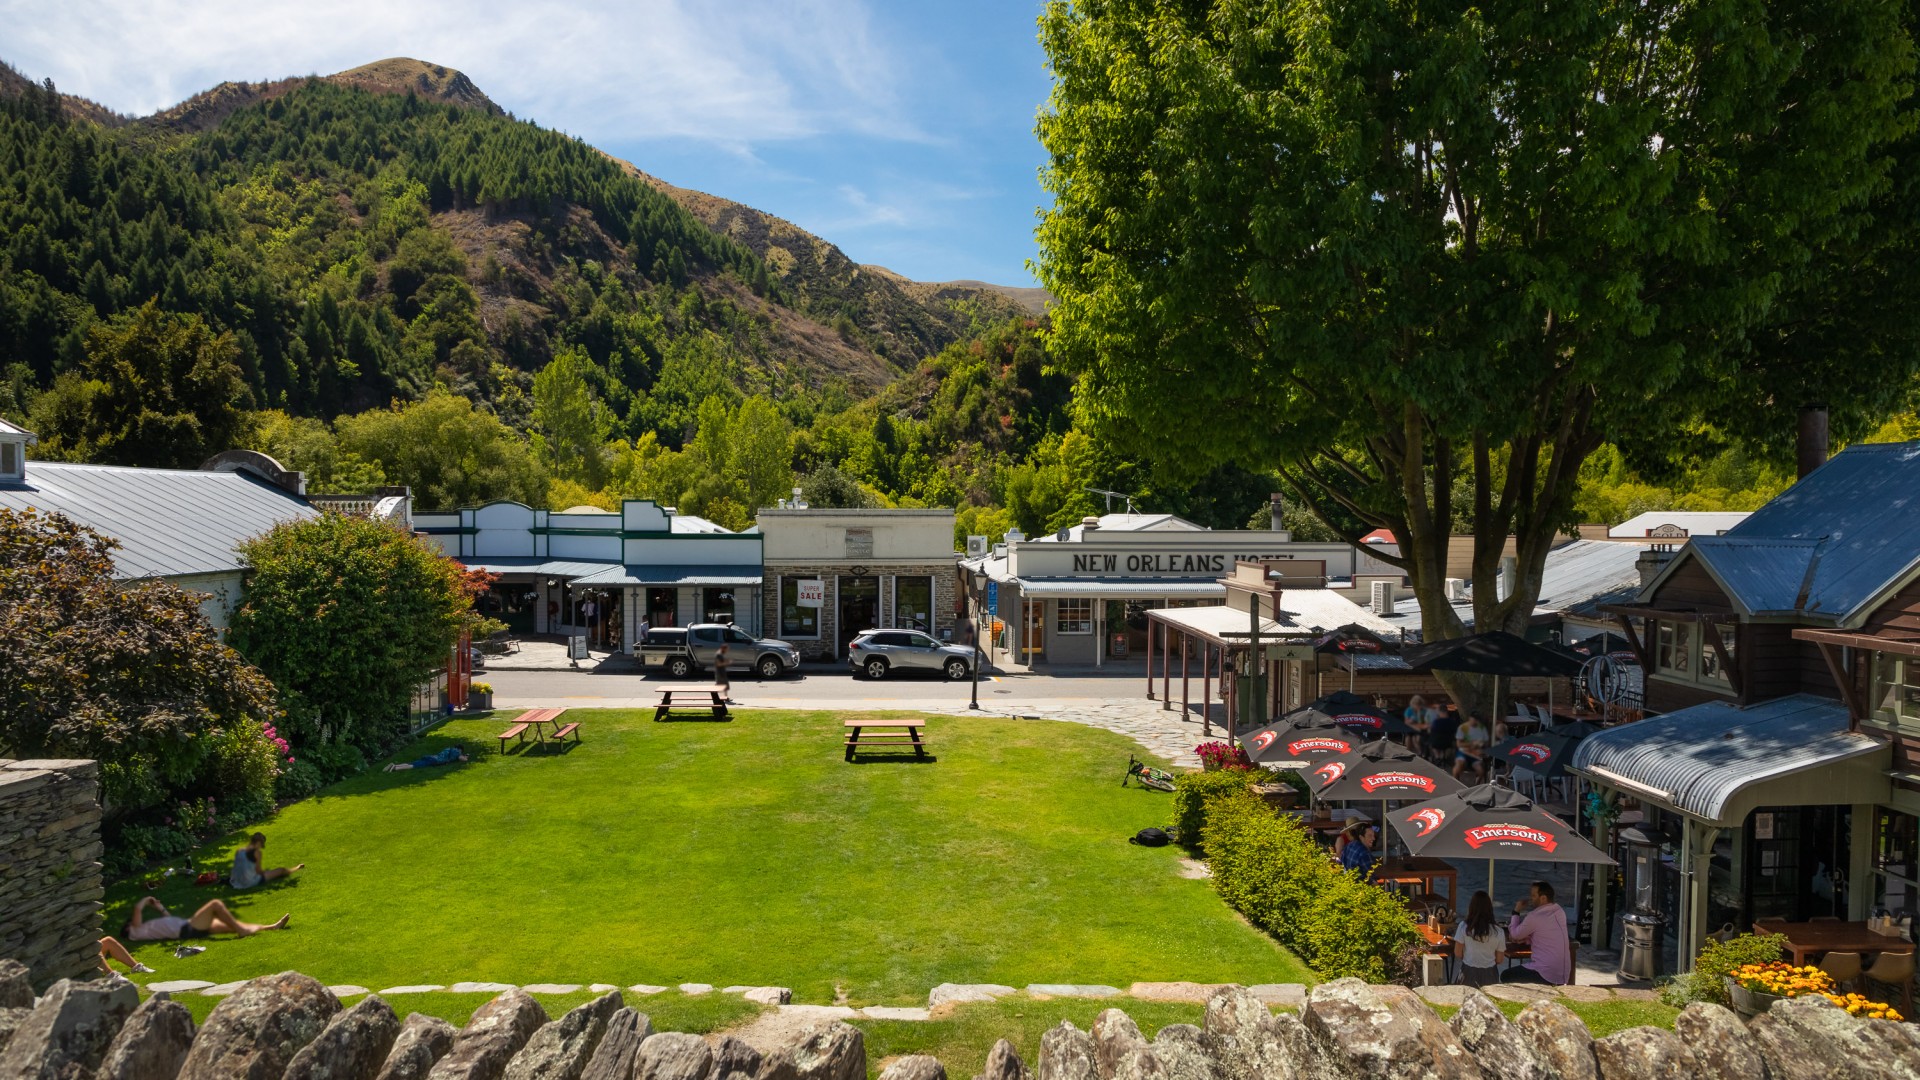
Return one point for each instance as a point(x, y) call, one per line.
point(1811, 445)
point(1279, 502)
point(1650, 562)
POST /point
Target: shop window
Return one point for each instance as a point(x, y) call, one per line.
point(913, 603)
point(1896, 688)
point(1074, 617)
point(717, 605)
point(1896, 884)
point(1673, 648)
point(796, 621)
point(1681, 652)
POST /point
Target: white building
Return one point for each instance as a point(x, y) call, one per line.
point(601, 573)
point(1676, 525)
point(866, 569)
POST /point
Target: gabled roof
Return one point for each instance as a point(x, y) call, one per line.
point(1829, 547)
point(170, 522)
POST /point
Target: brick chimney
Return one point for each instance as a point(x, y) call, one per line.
point(1810, 447)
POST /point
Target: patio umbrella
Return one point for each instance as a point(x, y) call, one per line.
point(1491, 822)
point(1545, 754)
point(1294, 746)
point(1379, 770)
point(1495, 653)
point(1350, 711)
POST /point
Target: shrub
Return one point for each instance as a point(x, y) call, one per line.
point(1719, 959)
point(297, 781)
point(1269, 869)
point(1193, 791)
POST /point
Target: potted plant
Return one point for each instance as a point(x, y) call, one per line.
point(1753, 988)
point(480, 696)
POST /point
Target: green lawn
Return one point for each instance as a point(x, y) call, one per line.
point(746, 853)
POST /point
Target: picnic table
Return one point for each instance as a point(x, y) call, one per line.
point(538, 721)
point(1422, 872)
point(897, 734)
point(712, 699)
point(1807, 941)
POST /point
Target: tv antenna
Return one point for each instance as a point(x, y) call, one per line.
point(1112, 495)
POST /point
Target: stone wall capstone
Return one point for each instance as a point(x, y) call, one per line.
point(50, 878)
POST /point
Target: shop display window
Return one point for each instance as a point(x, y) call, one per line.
point(1074, 617)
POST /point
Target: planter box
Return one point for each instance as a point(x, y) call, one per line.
point(478, 700)
point(1749, 1002)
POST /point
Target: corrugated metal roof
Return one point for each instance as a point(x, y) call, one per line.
point(1580, 576)
point(1322, 610)
point(1703, 756)
point(170, 522)
point(1057, 588)
point(1761, 575)
point(1863, 507)
point(533, 564)
point(671, 575)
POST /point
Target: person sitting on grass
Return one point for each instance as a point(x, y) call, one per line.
point(247, 862)
point(212, 918)
point(111, 949)
point(445, 757)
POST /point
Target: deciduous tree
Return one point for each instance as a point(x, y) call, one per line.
point(448, 452)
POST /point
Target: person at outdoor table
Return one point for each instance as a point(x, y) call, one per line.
point(1541, 924)
point(1483, 944)
point(1442, 735)
point(1470, 748)
point(1357, 853)
point(1415, 714)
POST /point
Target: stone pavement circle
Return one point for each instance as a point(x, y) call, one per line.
point(421, 988)
point(643, 989)
point(177, 986)
point(892, 1012)
point(1196, 993)
point(1289, 995)
point(696, 989)
point(348, 990)
point(479, 988)
point(1080, 990)
point(950, 993)
point(552, 988)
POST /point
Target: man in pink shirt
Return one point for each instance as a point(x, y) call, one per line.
point(1542, 924)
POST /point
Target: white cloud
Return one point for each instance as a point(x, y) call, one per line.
point(732, 74)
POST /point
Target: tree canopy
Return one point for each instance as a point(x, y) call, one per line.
point(1383, 249)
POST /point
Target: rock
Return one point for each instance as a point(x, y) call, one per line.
point(1235, 1011)
point(68, 1032)
point(1197, 993)
point(1115, 1038)
point(1085, 990)
point(1003, 1063)
point(696, 989)
point(354, 1046)
point(177, 986)
point(768, 995)
point(423, 1041)
point(1722, 1048)
point(734, 1060)
point(152, 1044)
point(552, 988)
point(619, 1047)
point(1288, 1051)
point(1140, 1064)
point(830, 1051)
point(562, 1049)
point(1385, 1031)
point(914, 1067)
point(479, 988)
point(10, 1021)
point(1643, 1053)
point(223, 989)
point(257, 1030)
point(16, 986)
point(1066, 1053)
point(1503, 1050)
point(495, 1032)
point(1524, 993)
point(1184, 1054)
point(1560, 1040)
point(1289, 995)
point(1446, 994)
point(673, 1055)
point(953, 993)
point(1808, 1037)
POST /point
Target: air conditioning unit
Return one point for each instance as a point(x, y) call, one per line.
point(1382, 597)
point(1456, 589)
point(976, 546)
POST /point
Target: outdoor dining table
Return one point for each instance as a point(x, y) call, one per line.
point(1423, 872)
point(1808, 941)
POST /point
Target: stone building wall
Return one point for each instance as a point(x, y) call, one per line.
point(945, 598)
point(50, 883)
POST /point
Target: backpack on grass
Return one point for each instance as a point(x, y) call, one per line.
point(1151, 838)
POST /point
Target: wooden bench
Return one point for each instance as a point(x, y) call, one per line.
point(907, 736)
point(712, 700)
point(534, 720)
point(573, 729)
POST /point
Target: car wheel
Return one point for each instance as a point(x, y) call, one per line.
point(956, 670)
point(679, 667)
point(769, 667)
point(876, 668)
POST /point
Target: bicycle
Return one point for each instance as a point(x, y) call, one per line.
point(1157, 779)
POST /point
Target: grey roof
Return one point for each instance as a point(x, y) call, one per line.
point(1828, 546)
point(1581, 576)
point(170, 522)
point(1696, 522)
point(532, 564)
point(9, 428)
point(631, 574)
point(1702, 757)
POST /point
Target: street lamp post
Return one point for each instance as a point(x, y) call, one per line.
point(979, 586)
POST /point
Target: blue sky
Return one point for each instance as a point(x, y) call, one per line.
point(902, 132)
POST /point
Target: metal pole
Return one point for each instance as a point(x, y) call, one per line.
point(1206, 691)
point(1186, 680)
point(1149, 658)
point(975, 703)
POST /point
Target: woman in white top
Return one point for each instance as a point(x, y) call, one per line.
point(1483, 944)
point(212, 918)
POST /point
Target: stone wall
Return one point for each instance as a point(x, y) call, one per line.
point(50, 884)
point(290, 1026)
point(945, 599)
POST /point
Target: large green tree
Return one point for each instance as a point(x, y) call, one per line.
point(570, 422)
point(448, 452)
point(1378, 245)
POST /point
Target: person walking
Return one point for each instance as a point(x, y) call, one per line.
point(721, 681)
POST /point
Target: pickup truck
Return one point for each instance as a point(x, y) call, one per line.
point(683, 650)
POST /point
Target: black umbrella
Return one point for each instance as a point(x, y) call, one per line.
point(1293, 746)
point(1495, 652)
point(1545, 754)
point(1490, 822)
point(1379, 770)
point(1350, 711)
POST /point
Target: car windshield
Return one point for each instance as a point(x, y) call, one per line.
point(739, 637)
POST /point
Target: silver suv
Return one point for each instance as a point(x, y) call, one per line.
point(875, 653)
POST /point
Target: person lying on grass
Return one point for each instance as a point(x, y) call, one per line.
point(111, 949)
point(445, 757)
point(247, 863)
point(212, 918)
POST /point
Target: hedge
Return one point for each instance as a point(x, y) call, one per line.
point(1192, 792)
point(1270, 870)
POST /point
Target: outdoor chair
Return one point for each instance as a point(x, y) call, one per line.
point(1843, 967)
point(1894, 971)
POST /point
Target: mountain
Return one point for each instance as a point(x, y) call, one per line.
point(397, 75)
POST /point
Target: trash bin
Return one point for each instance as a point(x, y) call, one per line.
point(1640, 946)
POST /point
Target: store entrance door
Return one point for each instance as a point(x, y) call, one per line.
point(859, 609)
point(1792, 853)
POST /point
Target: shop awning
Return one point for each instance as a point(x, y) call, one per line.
point(1143, 589)
point(1699, 760)
point(1218, 623)
point(669, 576)
point(539, 565)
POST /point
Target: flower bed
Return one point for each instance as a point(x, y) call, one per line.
point(1755, 987)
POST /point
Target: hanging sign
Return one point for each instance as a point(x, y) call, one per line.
point(811, 592)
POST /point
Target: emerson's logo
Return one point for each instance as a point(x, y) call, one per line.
point(1359, 720)
point(1332, 771)
point(1533, 751)
point(1511, 836)
point(1427, 820)
point(1397, 780)
point(1319, 745)
point(1264, 740)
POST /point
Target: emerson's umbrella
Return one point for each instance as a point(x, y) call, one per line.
point(1287, 745)
point(1492, 823)
point(1545, 754)
point(1495, 653)
point(1379, 770)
